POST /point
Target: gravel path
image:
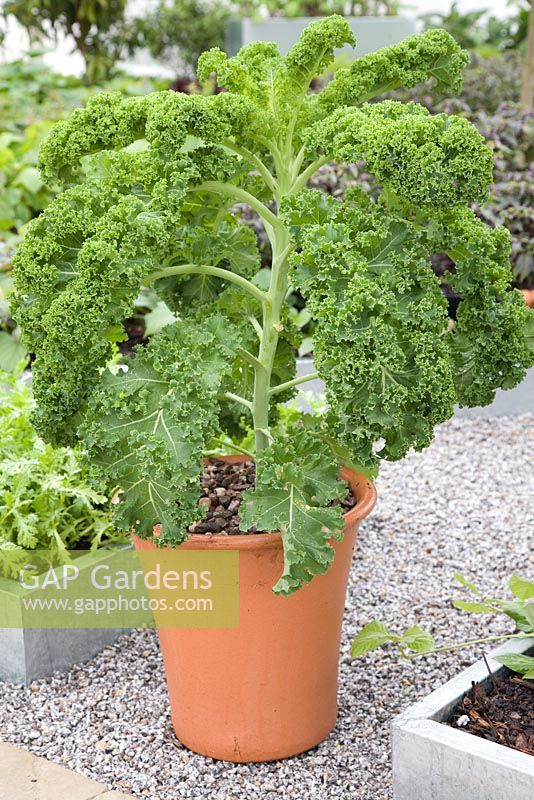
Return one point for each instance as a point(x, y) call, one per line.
point(465, 504)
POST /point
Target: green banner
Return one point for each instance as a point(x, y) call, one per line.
point(119, 589)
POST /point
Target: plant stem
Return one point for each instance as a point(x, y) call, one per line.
point(284, 182)
point(256, 325)
point(269, 340)
point(287, 165)
point(297, 163)
point(272, 148)
point(233, 446)
point(252, 360)
point(207, 269)
point(305, 176)
point(241, 196)
point(237, 399)
point(447, 647)
point(269, 179)
point(295, 382)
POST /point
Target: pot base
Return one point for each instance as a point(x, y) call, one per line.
point(235, 755)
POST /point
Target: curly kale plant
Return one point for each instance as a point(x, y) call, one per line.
point(151, 186)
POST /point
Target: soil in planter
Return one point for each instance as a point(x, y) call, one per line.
point(135, 331)
point(501, 712)
point(222, 488)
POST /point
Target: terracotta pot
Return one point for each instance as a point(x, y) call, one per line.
point(267, 689)
point(528, 294)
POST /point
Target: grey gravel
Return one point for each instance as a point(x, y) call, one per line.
point(465, 504)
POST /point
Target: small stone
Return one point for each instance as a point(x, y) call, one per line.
point(101, 745)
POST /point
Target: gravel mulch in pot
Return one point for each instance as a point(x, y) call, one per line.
point(221, 490)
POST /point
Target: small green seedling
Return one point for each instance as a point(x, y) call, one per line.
point(415, 641)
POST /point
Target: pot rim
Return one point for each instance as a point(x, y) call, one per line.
point(363, 488)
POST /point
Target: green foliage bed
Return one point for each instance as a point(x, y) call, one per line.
point(46, 501)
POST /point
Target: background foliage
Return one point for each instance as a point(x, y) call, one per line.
point(45, 498)
point(319, 8)
point(178, 31)
point(95, 26)
point(482, 31)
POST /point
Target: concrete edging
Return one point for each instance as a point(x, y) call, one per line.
point(432, 760)
point(29, 654)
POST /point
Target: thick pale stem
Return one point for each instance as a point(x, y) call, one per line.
point(281, 185)
point(207, 269)
point(269, 341)
point(240, 196)
point(237, 399)
point(295, 382)
point(268, 178)
point(247, 356)
point(256, 325)
point(232, 446)
point(308, 173)
point(297, 164)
